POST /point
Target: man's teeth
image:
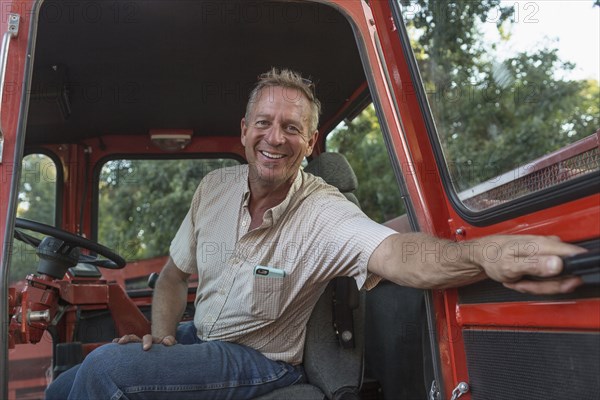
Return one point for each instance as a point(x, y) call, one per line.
point(271, 155)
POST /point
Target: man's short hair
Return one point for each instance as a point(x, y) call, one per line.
point(288, 79)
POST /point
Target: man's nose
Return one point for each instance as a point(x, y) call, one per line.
point(275, 136)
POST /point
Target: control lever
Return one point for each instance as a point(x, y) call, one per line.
point(152, 279)
point(586, 265)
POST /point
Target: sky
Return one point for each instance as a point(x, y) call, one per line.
point(576, 25)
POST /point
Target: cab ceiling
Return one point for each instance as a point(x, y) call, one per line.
point(104, 68)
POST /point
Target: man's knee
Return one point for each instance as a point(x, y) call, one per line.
point(106, 357)
point(60, 388)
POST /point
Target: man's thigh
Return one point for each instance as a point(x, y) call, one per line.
point(215, 369)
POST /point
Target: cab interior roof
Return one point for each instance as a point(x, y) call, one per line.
point(110, 68)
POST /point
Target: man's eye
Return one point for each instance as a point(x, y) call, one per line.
point(292, 129)
point(262, 123)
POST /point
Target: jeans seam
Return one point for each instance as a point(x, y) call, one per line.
point(212, 386)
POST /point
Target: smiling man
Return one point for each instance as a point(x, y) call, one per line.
point(265, 239)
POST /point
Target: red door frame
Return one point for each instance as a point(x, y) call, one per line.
point(17, 66)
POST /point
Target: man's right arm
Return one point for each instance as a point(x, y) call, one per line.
point(423, 261)
point(169, 300)
point(168, 304)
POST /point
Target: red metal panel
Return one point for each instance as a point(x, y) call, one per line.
point(579, 314)
point(128, 318)
point(88, 293)
point(574, 221)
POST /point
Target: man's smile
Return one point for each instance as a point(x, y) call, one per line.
point(272, 156)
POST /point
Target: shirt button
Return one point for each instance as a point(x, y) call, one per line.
point(234, 260)
point(243, 223)
point(221, 291)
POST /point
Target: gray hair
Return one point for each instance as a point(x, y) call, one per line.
point(288, 79)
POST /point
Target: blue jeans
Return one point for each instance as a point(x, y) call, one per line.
point(191, 369)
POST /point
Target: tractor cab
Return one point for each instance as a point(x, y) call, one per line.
point(459, 120)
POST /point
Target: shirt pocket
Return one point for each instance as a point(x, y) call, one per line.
point(267, 297)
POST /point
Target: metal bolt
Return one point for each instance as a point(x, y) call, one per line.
point(346, 336)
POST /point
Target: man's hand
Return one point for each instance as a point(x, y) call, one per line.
point(528, 264)
point(147, 341)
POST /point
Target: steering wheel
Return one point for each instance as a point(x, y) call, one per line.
point(112, 260)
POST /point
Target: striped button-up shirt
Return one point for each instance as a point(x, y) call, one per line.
point(313, 235)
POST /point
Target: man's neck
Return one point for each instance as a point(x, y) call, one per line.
point(264, 197)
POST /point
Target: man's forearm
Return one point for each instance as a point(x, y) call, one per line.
point(168, 302)
point(423, 261)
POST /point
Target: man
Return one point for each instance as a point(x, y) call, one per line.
point(248, 333)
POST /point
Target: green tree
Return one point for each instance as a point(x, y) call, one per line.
point(493, 128)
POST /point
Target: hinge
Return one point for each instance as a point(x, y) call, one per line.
point(13, 24)
point(434, 392)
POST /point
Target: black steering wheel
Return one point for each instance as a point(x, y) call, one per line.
point(112, 260)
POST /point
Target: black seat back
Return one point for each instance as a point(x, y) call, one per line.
point(335, 368)
point(335, 169)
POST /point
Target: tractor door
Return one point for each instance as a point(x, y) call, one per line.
point(499, 107)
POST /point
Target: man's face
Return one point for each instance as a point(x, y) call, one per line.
point(277, 135)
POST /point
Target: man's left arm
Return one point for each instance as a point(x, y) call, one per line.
point(423, 261)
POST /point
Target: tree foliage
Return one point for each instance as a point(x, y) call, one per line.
point(142, 202)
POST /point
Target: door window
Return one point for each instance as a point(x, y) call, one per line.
point(513, 92)
point(37, 202)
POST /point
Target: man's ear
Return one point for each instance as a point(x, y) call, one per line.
point(311, 143)
point(243, 129)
